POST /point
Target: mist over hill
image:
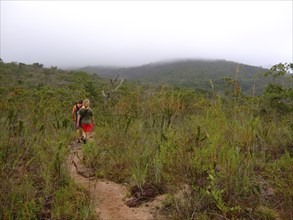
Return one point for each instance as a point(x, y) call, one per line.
point(189, 73)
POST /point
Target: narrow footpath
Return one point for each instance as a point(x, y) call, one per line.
point(108, 197)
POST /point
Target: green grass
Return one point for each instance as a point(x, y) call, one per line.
point(229, 156)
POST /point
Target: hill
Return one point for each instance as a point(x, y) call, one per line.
point(194, 74)
point(226, 156)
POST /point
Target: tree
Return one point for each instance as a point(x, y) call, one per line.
point(280, 93)
point(113, 87)
point(39, 65)
point(281, 69)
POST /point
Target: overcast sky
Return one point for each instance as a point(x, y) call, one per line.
point(128, 33)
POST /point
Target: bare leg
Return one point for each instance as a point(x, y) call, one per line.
point(88, 135)
point(78, 134)
point(83, 134)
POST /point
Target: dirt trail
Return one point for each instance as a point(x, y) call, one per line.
point(108, 196)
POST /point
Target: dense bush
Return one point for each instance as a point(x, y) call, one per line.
point(215, 156)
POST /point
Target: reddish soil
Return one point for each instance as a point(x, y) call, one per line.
point(109, 197)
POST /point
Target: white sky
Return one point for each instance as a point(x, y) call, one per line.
point(80, 33)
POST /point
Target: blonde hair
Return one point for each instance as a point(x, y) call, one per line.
point(86, 103)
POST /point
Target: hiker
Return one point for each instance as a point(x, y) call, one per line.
point(75, 110)
point(85, 119)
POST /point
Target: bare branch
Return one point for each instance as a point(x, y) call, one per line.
point(107, 94)
point(121, 81)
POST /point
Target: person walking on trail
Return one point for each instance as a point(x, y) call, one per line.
point(85, 119)
point(75, 111)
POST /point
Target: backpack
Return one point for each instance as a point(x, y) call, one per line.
point(81, 116)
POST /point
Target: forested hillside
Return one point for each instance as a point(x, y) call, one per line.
point(195, 74)
point(213, 156)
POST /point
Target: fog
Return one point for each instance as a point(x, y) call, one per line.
point(130, 33)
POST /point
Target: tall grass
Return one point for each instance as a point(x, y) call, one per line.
point(224, 157)
point(34, 148)
point(222, 148)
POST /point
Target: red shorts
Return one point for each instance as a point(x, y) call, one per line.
point(87, 127)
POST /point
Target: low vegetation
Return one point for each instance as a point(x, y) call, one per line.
point(194, 74)
point(216, 156)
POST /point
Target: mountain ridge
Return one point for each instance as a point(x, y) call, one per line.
point(192, 73)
